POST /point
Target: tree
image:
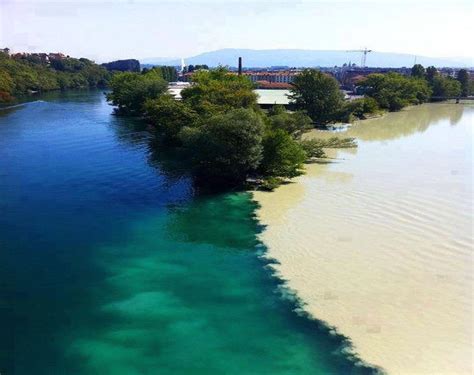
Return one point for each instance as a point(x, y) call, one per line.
point(228, 147)
point(393, 91)
point(32, 73)
point(463, 78)
point(129, 65)
point(131, 90)
point(445, 87)
point(294, 124)
point(169, 116)
point(418, 71)
point(6, 87)
point(431, 72)
point(218, 91)
point(358, 109)
point(318, 94)
point(282, 155)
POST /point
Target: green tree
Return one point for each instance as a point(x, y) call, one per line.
point(6, 87)
point(219, 91)
point(463, 78)
point(418, 71)
point(34, 73)
point(228, 147)
point(169, 116)
point(393, 91)
point(318, 94)
point(358, 109)
point(295, 123)
point(445, 87)
point(431, 72)
point(283, 156)
point(131, 90)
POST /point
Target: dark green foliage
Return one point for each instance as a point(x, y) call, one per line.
point(358, 109)
point(220, 128)
point(445, 87)
point(129, 65)
point(312, 148)
point(463, 78)
point(283, 156)
point(228, 147)
point(218, 91)
point(276, 109)
point(442, 87)
point(393, 91)
point(193, 68)
point(131, 90)
point(19, 76)
point(318, 94)
point(294, 124)
point(418, 71)
point(270, 183)
point(431, 72)
point(336, 142)
point(169, 116)
point(168, 73)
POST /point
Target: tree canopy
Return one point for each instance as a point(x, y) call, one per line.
point(169, 116)
point(23, 74)
point(218, 91)
point(228, 146)
point(445, 87)
point(318, 94)
point(131, 90)
point(219, 127)
point(463, 78)
point(393, 91)
point(418, 71)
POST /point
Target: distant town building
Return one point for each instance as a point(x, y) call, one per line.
point(272, 77)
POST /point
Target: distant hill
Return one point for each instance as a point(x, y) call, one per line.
point(308, 58)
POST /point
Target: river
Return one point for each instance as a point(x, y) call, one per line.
point(111, 263)
point(377, 241)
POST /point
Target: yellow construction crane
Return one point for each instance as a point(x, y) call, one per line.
point(364, 51)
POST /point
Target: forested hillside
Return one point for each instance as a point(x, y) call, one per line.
point(21, 74)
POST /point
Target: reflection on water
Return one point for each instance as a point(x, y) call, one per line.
point(401, 124)
point(384, 254)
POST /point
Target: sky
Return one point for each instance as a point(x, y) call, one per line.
point(109, 30)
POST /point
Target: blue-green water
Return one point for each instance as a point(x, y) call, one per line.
point(109, 265)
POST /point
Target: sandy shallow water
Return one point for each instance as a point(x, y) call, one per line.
point(377, 241)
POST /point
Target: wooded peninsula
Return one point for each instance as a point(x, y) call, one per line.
point(217, 127)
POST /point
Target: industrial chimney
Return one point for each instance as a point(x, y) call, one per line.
point(240, 66)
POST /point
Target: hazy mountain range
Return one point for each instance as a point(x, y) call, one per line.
point(307, 58)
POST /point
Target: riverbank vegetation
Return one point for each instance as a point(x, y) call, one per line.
point(227, 140)
point(394, 91)
point(220, 130)
point(318, 94)
point(24, 74)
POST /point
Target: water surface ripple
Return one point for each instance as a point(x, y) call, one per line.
point(379, 241)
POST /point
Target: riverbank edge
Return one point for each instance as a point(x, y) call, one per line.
point(347, 350)
point(349, 347)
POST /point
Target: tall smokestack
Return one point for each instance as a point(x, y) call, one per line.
point(240, 66)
